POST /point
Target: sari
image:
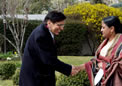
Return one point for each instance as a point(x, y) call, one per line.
point(112, 64)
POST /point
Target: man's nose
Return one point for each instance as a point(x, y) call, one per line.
point(62, 28)
point(101, 29)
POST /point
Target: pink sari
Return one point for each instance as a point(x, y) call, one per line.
point(112, 64)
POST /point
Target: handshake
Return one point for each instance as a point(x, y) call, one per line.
point(77, 69)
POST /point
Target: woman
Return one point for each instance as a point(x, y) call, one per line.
point(108, 56)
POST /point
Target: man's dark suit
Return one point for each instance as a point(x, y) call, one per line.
point(40, 60)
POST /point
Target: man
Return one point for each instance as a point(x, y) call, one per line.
point(40, 58)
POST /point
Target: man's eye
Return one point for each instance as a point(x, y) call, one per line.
point(60, 25)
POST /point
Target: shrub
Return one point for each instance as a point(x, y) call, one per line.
point(120, 10)
point(89, 13)
point(15, 77)
point(18, 64)
point(7, 69)
point(92, 15)
point(81, 79)
point(3, 56)
point(69, 42)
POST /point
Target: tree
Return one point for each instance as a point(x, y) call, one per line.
point(16, 27)
point(96, 1)
point(1, 42)
point(120, 0)
point(61, 4)
point(37, 6)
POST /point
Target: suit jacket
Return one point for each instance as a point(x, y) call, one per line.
point(40, 60)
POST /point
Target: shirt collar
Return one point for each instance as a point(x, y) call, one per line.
point(51, 34)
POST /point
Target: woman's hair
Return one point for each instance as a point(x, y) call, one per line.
point(54, 16)
point(113, 21)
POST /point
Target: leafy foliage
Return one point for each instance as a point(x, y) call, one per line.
point(15, 77)
point(89, 13)
point(92, 15)
point(37, 6)
point(96, 1)
point(3, 56)
point(7, 69)
point(81, 79)
point(69, 42)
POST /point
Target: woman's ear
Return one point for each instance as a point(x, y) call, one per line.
point(112, 29)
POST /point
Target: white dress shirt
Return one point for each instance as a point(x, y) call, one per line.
point(51, 34)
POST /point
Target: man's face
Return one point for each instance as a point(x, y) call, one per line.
point(55, 28)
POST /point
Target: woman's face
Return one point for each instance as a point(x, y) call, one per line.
point(106, 31)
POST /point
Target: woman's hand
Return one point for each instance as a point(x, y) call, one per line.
point(100, 65)
point(82, 67)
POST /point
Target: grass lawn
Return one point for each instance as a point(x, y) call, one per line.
point(6, 83)
point(73, 60)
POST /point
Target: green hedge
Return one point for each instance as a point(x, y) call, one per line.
point(7, 69)
point(69, 42)
point(4, 56)
point(81, 79)
point(15, 77)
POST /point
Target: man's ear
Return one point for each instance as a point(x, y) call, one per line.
point(48, 22)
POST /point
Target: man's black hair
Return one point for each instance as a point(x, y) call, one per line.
point(54, 16)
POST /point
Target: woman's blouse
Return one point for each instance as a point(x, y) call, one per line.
point(105, 49)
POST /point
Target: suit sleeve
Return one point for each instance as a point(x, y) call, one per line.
point(47, 56)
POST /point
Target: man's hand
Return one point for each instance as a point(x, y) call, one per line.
point(75, 70)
